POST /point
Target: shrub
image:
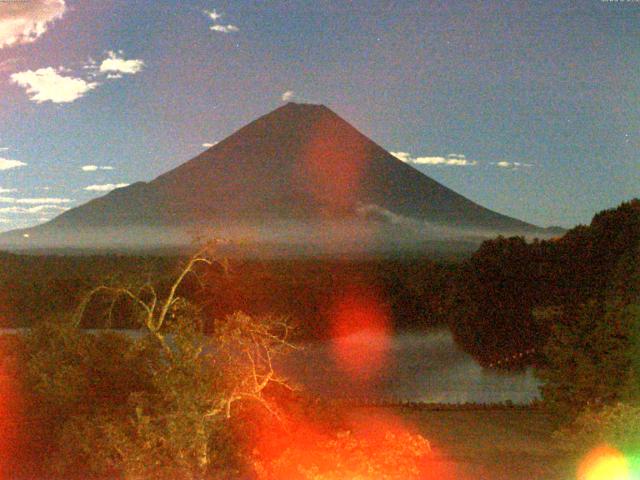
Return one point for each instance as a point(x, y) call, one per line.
point(154, 405)
point(617, 425)
point(393, 456)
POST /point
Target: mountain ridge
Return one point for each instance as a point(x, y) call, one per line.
point(297, 163)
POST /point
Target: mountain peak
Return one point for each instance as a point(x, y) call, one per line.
point(300, 110)
point(304, 105)
point(298, 164)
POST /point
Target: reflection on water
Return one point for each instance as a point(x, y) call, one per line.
point(421, 367)
point(425, 367)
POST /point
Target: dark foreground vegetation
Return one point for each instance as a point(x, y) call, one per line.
point(194, 394)
point(174, 401)
point(501, 302)
point(511, 294)
point(33, 288)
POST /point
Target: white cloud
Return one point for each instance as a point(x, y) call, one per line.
point(373, 211)
point(209, 145)
point(8, 190)
point(224, 28)
point(24, 21)
point(93, 168)
point(115, 65)
point(33, 210)
point(105, 187)
point(402, 156)
point(46, 84)
point(35, 201)
point(217, 27)
point(453, 159)
point(512, 165)
point(55, 85)
point(7, 163)
point(213, 15)
point(4, 149)
point(288, 95)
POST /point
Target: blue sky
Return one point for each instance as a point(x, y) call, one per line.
point(529, 108)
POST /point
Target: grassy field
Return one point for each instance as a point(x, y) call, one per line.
point(490, 444)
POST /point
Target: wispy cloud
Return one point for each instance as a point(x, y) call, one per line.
point(48, 85)
point(8, 190)
point(218, 27)
point(27, 20)
point(402, 156)
point(288, 95)
point(453, 159)
point(7, 163)
point(224, 28)
point(35, 201)
point(213, 15)
point(33, 210)
point(511, 165)
point(58, 85)
point(106, 187)
point(115, 65)
point(93, 168)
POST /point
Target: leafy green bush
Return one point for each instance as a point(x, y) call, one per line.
point(156, 403)
point(616, 425)
point(592, 355)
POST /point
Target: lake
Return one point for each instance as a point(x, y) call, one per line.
point(419, 367)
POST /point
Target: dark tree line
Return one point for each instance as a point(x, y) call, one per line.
point(501, 303)
point(33, 288)
point(508, 296)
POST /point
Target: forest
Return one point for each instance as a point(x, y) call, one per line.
point(501, 302)
point(109, 405)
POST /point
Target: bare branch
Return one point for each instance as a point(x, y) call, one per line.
point(172, 293)
point(115, 293)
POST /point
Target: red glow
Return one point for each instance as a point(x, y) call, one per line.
point(332, 165)
point(380, 447)
point(361, 333)
point(604, 463)
point(9, 410)
point(378, 427)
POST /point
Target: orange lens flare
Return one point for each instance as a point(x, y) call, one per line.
point(604, 463)
point(9, 409)
point(332, 165)
point(361, 334)
point(379, 447)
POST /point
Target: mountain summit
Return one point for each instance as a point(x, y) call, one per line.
point(300, 164)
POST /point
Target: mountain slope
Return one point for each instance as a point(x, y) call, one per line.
point(299, 163)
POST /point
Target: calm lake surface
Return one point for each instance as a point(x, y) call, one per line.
point(420, 367)
point(425, 367)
